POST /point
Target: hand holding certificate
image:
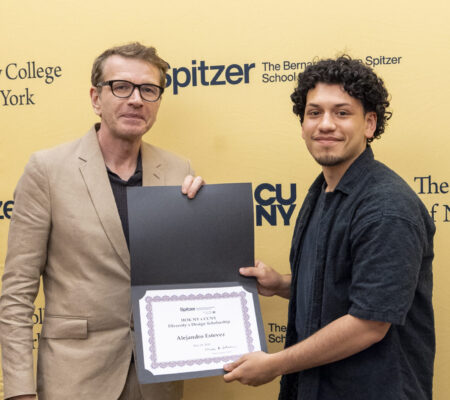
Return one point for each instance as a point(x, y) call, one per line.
point(193, 311)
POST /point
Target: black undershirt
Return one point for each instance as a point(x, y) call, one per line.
point(119, 188)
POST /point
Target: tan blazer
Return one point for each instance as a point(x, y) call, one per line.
point(66, 228)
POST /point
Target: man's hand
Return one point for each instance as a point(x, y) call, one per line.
point(192, 185)
point(252, 369)
point(341, 338)
point(269, 281)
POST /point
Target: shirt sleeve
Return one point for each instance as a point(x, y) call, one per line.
point(387, 255)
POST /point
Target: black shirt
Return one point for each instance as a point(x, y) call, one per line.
point(119, 188)
point(307, 263)
point(373, 261)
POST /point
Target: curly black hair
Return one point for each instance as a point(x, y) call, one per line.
point(357, 79)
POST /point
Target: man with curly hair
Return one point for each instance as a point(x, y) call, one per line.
point(360, 323)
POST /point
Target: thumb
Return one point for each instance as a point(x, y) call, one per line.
point(230, 366)
point(247, 271)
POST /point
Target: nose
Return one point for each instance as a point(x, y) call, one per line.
point(135, 97)
point(327, 123)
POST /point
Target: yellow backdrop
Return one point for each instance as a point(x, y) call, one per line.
point(238, 125)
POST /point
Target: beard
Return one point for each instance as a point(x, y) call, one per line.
point(328, 160)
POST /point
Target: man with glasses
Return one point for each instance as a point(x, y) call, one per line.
point(70, 227)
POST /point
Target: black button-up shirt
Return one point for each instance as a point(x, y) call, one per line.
point(372, 259)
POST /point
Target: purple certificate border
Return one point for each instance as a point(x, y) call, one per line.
point(181, 363)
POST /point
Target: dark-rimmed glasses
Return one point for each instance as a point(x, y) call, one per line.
point(124, 89)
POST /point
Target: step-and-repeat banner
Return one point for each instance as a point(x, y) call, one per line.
point(227, 108)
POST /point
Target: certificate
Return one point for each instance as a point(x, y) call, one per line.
point(193, 312)
point(186, 330)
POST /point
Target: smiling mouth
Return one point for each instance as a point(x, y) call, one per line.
point(327, 140)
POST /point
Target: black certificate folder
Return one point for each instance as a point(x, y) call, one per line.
point(193, 311)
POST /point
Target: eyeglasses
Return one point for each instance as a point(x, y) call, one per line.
point(124, 89)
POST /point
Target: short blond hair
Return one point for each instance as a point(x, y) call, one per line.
point(130, 50)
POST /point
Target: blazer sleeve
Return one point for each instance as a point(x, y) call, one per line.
point(25, 261)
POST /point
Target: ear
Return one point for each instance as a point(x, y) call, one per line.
point(303, 134)
point(96, 101)
point(301, 126)
point(371, 124)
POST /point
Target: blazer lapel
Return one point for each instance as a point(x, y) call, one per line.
point(93, 170)
point(152, 166)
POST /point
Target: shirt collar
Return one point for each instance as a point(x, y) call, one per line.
point(136, 178)
point(359, 167)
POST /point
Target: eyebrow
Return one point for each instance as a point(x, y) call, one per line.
point(335, 105)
